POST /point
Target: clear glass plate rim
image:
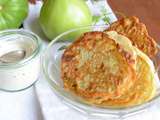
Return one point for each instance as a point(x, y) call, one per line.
point(61, 92)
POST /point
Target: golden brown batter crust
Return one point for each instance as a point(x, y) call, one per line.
point(96, 68)
point(137, 32)
point(142, 90)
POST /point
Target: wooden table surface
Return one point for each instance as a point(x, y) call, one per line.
point(147, 10)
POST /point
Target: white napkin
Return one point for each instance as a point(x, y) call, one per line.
point(20, 105)
point(52, 107)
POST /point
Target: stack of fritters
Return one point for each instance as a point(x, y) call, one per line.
point(105, 69)
point(96, 67)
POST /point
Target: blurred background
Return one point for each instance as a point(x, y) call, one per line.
point(146, 10)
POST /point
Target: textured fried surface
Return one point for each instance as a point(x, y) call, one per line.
point(142, 90)
point(96, 68)
point(136, 31)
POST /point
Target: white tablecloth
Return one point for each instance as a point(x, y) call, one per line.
point(22, 105)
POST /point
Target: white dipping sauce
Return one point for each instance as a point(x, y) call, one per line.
point(21, 74)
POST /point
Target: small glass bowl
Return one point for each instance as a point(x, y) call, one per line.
point(23, 73)
point(51, 60)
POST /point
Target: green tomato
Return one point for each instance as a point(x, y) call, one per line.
point(12, 13)
point(58, 16)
